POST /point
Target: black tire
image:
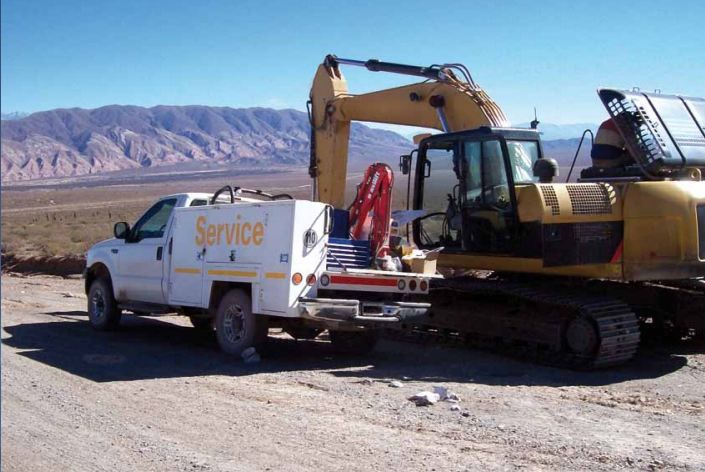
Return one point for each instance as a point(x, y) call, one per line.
point(236, 327)
point(201, 323)
point(354, 342)
point(103, 312)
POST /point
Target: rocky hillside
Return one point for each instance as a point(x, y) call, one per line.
point(72, 142)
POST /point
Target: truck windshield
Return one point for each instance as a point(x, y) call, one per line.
point(522, 155)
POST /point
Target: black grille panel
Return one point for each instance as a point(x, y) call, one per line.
point(590, 199)
point(551, 200)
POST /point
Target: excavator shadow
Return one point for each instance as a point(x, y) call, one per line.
point(148, 348)
point(447, 364)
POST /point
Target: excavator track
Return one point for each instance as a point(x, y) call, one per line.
point(550, 325)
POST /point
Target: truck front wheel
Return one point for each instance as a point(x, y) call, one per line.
point(103, 312)
point(236, 327)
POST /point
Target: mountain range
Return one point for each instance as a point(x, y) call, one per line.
point(79, 142)
point(74, 142)
point(15, 115)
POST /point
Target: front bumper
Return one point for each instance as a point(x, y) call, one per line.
point(361, 312)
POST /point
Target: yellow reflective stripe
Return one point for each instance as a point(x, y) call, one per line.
point(187, 270)
point(232, 273)
point(274, 275)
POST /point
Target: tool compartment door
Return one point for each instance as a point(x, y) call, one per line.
point(250, 243)
point(187, 259)
point(276, 260)
point(309, 246)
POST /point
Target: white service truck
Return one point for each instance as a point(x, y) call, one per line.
point(241, 264)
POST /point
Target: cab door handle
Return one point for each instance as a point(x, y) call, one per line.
point(160, 250)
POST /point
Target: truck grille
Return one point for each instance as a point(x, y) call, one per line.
point(701, 231)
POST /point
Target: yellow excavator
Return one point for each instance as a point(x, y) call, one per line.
point(564, 272)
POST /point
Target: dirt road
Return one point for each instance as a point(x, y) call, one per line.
point(158, 396)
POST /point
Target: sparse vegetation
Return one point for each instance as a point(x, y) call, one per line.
point(67, 221)
point(62, 232)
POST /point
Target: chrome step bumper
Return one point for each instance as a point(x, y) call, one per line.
point(333, 309)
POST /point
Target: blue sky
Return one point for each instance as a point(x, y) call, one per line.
point(552, 55)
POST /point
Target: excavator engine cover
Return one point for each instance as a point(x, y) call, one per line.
point(664, 133)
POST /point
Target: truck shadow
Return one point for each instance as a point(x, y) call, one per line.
point(149, 348)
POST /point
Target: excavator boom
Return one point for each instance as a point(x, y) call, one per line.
point(444, 102)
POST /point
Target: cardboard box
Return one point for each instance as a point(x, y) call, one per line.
point(422, 264)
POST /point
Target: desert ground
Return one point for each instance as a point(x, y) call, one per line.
point(157, 395)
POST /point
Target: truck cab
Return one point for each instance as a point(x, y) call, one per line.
point(242, 264)
point(135, 257)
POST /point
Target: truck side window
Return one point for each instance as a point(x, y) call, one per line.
point(198, 203)
point(154, 221)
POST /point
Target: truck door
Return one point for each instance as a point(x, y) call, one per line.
point(141, 259)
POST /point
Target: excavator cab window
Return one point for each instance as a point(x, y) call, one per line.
point(475, 182)
point(522, 156)
point(487, 210)
point(442, 223)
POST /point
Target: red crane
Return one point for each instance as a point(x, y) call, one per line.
point(374, 195)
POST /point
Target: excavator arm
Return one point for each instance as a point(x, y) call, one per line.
point(444, 101)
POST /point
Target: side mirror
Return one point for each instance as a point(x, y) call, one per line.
point(405, 163)
point(121, 230)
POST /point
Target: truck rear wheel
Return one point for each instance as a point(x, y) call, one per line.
point(236, 327)
point(103, 312)
point(354, 342)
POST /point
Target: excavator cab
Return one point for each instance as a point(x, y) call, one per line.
point(484, 167)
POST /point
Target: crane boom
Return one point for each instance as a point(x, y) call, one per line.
point(443, 102)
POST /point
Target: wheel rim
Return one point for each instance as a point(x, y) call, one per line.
point(581, 337)
point(234, 324)
point(97, 305)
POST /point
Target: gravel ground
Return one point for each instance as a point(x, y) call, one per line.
point(157, 395)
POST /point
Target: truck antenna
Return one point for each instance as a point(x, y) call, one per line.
point(535, 122)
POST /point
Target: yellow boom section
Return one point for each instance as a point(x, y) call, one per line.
point(447, 105)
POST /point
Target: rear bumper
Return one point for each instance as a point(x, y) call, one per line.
point(355, 311)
